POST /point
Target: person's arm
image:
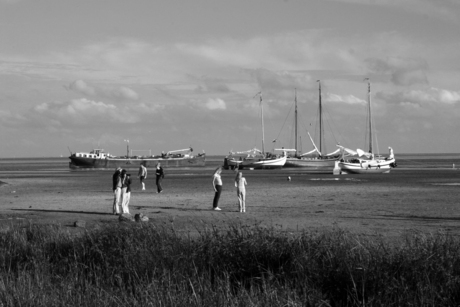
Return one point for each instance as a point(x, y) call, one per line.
point(245, 182)
point(214, 183)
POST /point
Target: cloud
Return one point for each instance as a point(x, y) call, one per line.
point(121, 92)
point(403, 71)
point(445, 10)
point(9, 119)
point(431, 97)
point(82, 112)
point(216, 104)
point(348, 99)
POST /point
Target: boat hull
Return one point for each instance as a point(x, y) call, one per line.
point(317, 165)
point(83, 162)
point(231, 163)
point(263, 163)
point(366, 166)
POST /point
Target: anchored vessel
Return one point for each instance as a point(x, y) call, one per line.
point(97, 158)
point(371, 163)
point(320, 162)
point(256, 159)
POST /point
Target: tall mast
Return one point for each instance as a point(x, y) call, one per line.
point(320, 119)
point(262, 119)
point(295, 122)
point(370, 114)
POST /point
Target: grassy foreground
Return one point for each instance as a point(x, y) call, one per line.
point(147, 265)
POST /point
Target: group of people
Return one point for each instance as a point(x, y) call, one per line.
point(122, 186)
point(240, 184)
point(121, 190)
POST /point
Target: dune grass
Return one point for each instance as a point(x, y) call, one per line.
point(148, 265)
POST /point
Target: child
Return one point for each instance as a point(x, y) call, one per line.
point(240, 183)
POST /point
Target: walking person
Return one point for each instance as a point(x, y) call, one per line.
point(240, 184)
point(125, 191)
point(142, 175)
point(217, 184)
point(160, 175)
point(116, 182)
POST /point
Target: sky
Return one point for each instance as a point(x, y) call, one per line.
point(171, 74)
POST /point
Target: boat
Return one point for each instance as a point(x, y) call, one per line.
point(313, 160)
point(257, 159)
point(97, 158)
point(367, 162)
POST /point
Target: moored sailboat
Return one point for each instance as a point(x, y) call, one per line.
point(371, 163)
point(313, 160)
point(257, 159)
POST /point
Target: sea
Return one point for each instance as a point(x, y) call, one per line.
point(404, 161)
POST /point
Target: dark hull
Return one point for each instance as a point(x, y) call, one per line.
point(81, 162)
point(313, 165)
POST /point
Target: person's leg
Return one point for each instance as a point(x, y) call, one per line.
point(215, 202)
point(116, 200)
point(159, 188)
point(142, 182)
point(128, 198)
point(243, 199)
point(124, 198)
point(240, 200)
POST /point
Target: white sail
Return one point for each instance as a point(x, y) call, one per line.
point(310, 152)
point(333, 153)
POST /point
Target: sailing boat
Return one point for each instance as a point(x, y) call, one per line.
point(320, 163)
point(371, 163)
point(257, 159)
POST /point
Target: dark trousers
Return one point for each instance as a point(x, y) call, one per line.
point(159, 188)
point(217, 196)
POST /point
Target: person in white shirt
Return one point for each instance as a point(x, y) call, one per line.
point(240, 183)
point(142, 175)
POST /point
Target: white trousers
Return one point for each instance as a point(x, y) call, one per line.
point(116, 200)
point(125, 197)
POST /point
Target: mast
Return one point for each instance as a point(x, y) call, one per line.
point(262, 120)
point(320, 119)
point(370, 114)
point(295, 122)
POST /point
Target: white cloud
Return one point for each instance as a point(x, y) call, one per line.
point(425, 97)
point(348, 99)
point(445, 10)
point(81, 112)
point(216, 104)
point(403, 71)
point(121, 92)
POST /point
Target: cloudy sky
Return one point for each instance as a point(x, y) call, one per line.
point(168, 74)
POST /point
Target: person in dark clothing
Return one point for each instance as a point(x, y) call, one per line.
point(217, 184)
point(160, 175)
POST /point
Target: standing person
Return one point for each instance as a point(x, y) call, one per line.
point(240, 183)
point(116, 182)
point(160, 175)
point(125, 191)
point(217, 184)
point(142, 174)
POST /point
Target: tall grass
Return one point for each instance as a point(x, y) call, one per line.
point(148, 265)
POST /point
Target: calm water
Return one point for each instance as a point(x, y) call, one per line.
point(62, 164)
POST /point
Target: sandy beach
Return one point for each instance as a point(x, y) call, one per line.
point(387, 205)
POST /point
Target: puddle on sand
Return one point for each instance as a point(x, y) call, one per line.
point(351, 179)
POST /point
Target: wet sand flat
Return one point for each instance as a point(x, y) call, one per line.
point(388, 205)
